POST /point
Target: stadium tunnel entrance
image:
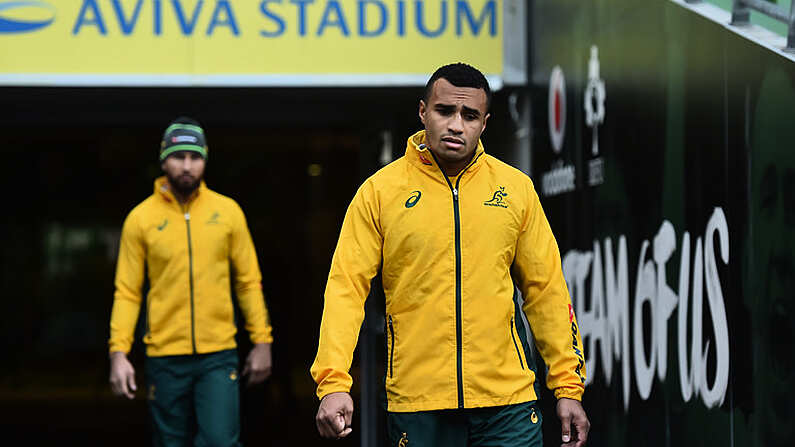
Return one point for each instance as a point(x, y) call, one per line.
point(77, 160)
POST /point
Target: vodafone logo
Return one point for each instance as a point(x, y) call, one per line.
point(561, 177)
point(557, 108)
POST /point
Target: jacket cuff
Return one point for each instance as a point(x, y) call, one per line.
point(323, 391)
point(569, 393)
point(265, 336)
point(118, 347)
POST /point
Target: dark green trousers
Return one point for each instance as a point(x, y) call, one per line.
point(516, 425)
point(194, 395)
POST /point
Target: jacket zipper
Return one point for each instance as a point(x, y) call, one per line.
point(190, 276)
point(391, 346)
point(458, 329)
point(515, 345)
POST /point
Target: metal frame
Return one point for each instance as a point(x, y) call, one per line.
point(741, 16)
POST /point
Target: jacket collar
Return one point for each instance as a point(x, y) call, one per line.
point(420, 155)
point(163, 190)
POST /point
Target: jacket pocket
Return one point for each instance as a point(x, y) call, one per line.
point(516, 345)
point(391, 344)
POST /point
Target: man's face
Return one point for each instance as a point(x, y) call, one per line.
point(184, 170)
point(454, 119)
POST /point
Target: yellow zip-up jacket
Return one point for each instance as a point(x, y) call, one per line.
point(189, 253)
point(450, 251)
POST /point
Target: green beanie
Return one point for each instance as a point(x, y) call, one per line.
point(183, 135)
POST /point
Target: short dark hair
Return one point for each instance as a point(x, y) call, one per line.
point(460, 75)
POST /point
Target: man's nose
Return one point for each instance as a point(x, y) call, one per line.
point(456, 124)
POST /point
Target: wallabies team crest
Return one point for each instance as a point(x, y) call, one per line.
point(498, 199)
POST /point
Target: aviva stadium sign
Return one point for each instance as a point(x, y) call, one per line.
point(247, 42)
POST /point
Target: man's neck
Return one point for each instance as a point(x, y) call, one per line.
point(180, 196)
point(182, 199)
point(452, 170)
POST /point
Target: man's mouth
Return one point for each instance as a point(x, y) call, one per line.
point(453, 143)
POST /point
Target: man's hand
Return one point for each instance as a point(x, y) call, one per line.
point(334, 416)
point(122, 375)
point(571, 413)
point(258, 364)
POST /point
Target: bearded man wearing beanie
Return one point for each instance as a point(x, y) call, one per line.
point(194, 245)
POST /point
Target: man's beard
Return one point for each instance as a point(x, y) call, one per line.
point(184, 185)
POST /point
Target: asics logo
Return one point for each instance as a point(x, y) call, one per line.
point(413, 199)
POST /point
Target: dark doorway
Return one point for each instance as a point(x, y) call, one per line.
point(76, 161)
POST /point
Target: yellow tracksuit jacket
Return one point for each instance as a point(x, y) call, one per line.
point(189, 253)
point(450, 251)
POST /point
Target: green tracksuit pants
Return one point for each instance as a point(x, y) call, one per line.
point(516, 425)
point(194, 399)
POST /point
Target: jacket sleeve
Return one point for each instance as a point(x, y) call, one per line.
point(129, 281)
point(248, 281)
point(356, 261)
point(538, 274)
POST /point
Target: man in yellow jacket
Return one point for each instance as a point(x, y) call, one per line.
point(452, 230)
point(192, 243)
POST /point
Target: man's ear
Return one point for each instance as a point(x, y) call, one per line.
point(422, 111)
point(484, 122)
